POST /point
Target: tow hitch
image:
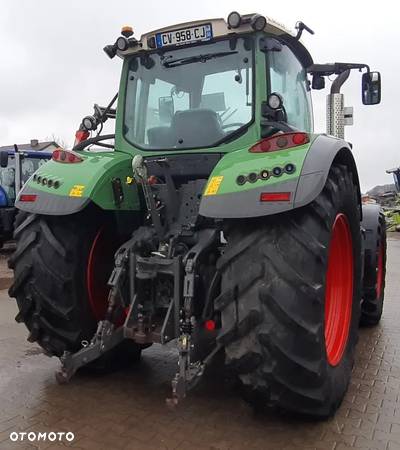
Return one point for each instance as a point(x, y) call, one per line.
point(157, 279)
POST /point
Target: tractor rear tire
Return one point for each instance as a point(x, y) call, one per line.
point(374, 279)
point(289, 334)
point(53, 258)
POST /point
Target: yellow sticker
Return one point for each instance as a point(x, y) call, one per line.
point(77, 190)
point(213, 185)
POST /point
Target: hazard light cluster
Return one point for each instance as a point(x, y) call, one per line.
point(280, 142)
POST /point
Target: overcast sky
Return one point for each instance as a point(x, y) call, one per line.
point(52, 67)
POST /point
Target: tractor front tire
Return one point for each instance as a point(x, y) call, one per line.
point(290, 301)
point(61, 267)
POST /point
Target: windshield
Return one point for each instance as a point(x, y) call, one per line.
point(190, 97)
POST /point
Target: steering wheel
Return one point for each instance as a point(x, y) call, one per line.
point(233, 124)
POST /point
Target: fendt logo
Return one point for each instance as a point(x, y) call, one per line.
point(33, 436)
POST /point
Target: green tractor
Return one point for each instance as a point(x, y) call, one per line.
point(218, 219)
point(393, 212)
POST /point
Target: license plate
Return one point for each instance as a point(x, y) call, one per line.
point(184, 36)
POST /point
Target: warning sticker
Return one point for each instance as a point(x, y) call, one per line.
point(213, 185)
point(77, 190)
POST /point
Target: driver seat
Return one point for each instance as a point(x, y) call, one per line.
point(196, 128)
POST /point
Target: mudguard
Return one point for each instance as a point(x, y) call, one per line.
point(371, 224)
point(61, 189)
point(224, 197)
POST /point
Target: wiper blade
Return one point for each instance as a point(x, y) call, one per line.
point(197, 58)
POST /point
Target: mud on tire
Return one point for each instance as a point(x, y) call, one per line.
point(272, 303)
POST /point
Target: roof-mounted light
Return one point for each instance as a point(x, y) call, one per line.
point(234, 19)
point(110, 50)
point(122, 43)
point(258, 22)
point(127, 31)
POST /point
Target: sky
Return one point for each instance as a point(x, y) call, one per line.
point(53, 68)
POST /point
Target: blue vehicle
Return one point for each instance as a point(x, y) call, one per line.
point(17, 164)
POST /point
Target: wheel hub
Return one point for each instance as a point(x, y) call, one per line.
point(339, 290)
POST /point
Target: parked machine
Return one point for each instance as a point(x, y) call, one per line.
point(16, 166)
point(219, 219)
point(393, 211)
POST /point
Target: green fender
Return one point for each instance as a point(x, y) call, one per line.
point(225, 197)
point(61, 189)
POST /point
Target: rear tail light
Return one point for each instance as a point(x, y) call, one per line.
point(280, 142)
point(209, 325)
point(27, 197)
point(80, 136)
point(66, 156)
point(275, 196)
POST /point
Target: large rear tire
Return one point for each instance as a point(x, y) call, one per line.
point(61, 267)
point(290, 301)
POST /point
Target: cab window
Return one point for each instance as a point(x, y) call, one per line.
point(289, 79)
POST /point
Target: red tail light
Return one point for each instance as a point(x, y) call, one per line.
point(275, 196)
point(27, 197)
point(80, 136)
point(280, 142)
point(209, 325)
point(66, 156)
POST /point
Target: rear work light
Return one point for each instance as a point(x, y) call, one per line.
point(280, 142)
point(275, 196)
point(27, 198)
point(66, 156)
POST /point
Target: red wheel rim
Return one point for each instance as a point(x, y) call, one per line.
point(379, 274)
point(339, 290)
point(99, 267)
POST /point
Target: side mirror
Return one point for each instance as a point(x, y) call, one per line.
point(3, 158)
point(371, 88)
point(166, 109)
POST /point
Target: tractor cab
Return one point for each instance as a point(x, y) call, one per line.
point(17, 165)
point(212, 75)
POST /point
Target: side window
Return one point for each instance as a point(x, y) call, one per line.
point(289, 79)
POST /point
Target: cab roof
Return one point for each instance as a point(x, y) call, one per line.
point(220, 28)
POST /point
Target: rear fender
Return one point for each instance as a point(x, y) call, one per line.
point(80, 184)
point(371, 224)
point(224, 198)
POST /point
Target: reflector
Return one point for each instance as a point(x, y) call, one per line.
point(27, 197)
point(275, 196)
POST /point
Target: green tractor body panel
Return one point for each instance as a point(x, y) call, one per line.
point(101, 178)
point(224, 197)
point(79, 183)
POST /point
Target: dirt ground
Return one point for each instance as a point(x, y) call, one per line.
point(126, 410)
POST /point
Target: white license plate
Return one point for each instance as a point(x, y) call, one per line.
point(184, 36)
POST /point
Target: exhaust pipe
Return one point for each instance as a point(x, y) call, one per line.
point(335, 109)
